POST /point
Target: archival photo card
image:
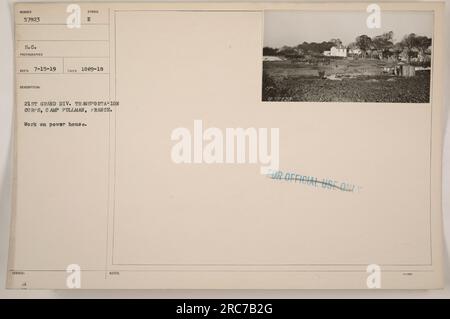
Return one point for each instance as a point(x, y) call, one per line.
point(145, 157)
point(347, 56)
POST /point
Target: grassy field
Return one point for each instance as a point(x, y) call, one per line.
point(342, 81)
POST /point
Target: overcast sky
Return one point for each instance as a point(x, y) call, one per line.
point(294, 27)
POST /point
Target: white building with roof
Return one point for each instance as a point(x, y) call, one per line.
point(340, 51)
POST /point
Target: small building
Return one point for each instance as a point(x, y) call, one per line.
point(355, 51)
point(340, 51)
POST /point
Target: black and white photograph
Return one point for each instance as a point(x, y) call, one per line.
point(340, 57)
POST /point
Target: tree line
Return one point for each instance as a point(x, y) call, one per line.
point(381, 46)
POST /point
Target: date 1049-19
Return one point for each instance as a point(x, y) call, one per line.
point(92, 69)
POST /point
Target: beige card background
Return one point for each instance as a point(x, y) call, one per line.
point(227, 214)
point(115, 202)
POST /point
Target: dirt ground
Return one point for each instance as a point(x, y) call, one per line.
point(342, 81)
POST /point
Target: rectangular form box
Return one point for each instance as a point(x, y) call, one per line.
point(86, 65)
point(33, 48)
point(60, 13)
point(39, 65)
